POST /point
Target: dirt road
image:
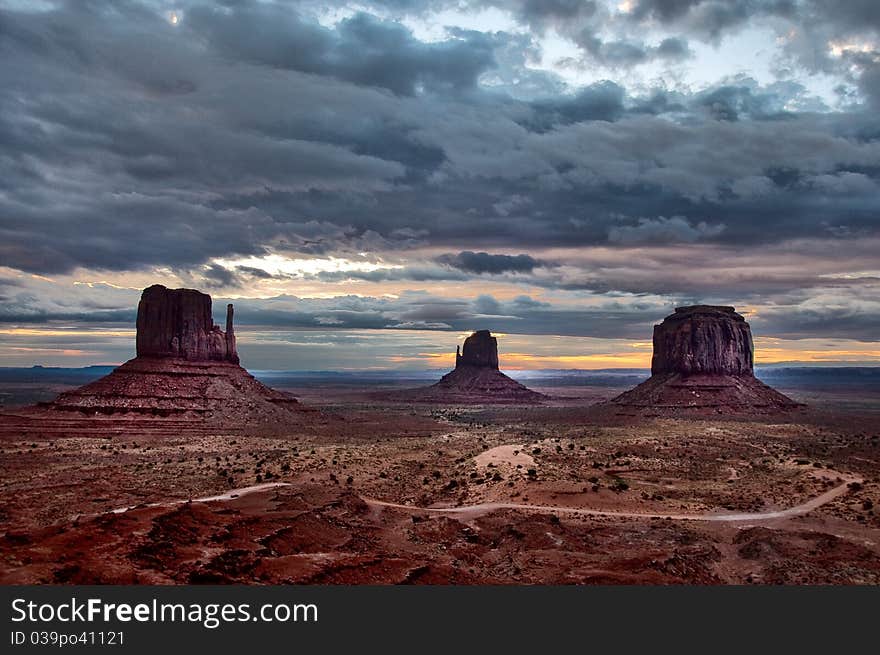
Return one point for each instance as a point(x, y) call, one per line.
point(480, 509)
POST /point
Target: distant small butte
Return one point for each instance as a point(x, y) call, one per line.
point(476, 379)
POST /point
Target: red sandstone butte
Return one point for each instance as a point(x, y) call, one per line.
point(186, 368)
point(703, 362)
point(476, 378)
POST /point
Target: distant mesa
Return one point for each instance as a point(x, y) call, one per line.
point(703, 362)
point(186, 367)
point(476, 378)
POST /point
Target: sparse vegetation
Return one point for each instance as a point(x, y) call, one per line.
point(619, 485)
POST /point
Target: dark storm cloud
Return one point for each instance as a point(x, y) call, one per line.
point(603, 101)
point(711, 18)
point(541, 10)
point(730, 103)
point(663, 230)
point(626, 53)
point(361, 49)
point(407, 273)
point(663, 10)
point(217, 276)
point(854, 14)
point(258, 273)
point(483, 262)
point(869, 82)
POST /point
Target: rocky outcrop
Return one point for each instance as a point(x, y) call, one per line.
point(231, 350)
point(178, 323)
point(187, 369)
point(476, 378)
point(703, 339)
point(703, 364)
point(480, 350)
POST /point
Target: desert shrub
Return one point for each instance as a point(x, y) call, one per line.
point(619, 485)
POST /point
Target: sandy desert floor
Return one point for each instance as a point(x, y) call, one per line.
point(403, 493)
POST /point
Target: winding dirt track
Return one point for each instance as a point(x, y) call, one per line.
point(472, 511)
point(480, 509)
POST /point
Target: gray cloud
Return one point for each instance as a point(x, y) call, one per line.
point(217, 276)
point(711, 18)
point(361, 49)
point(483, 262)
point(626, 53)
point(663, 230)
point(602, 101)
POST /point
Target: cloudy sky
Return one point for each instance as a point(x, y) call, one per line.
point(369, 181)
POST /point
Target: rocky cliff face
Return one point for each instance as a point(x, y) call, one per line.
point(480, 350)
point(703, 339)
point(178, 323)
